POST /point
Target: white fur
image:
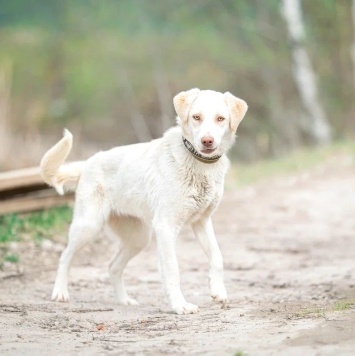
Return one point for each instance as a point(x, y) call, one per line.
point(156, 187)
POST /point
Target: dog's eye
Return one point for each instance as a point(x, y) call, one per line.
point(220, 118)
point(196, 117)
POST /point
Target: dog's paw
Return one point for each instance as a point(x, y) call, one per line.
point(186, 308)
point(219, 294)
point(220, 299)
point(128, 301)
point(60, 295)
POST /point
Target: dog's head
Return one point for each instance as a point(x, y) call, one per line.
point(209, 119)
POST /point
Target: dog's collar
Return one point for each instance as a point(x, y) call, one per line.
point(197, 155)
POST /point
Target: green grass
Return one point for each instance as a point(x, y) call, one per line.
point(311, 313)
point(344, 305)
point(11, 258)
point(240, 353)
point(34, 226)
point(301, 160)
point(38, 225)
point(316, 312)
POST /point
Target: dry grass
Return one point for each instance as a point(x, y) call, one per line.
point(323, 312)
point(299, 161)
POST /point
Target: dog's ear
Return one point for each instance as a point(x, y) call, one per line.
point(182, 102)
point(237, 108)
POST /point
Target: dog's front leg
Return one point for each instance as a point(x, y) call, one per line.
point(169, 269)
point(203, 229)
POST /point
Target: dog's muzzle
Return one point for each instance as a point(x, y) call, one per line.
point(198, 155)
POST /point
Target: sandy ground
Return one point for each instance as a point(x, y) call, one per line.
point(289, 251)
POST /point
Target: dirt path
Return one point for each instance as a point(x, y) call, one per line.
point(289, 251)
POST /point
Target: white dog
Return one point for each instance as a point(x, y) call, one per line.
point(153, 187)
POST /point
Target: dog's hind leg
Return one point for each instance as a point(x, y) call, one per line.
point(86, 226)
point(134, 236)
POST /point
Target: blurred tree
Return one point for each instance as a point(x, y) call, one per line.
point(139, 124)
point(304, 73)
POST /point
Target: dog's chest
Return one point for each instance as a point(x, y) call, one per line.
point(202, 192)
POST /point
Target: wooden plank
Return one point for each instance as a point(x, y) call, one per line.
point(12, 193)
point(23, 191)
point(33, 203)
point(20, 178)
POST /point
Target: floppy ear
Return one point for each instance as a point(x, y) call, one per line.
point(182, 102)
point(237, 108)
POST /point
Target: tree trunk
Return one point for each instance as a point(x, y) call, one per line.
point(160, 77)
point(164, 95)
point(5, 97)
point(138, 121)
point(303, 72)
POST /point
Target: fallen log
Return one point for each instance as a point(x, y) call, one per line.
point(30, 203)
point(24, 191)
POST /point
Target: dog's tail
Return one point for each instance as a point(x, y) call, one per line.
point(62, 178)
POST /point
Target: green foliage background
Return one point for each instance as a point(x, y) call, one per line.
point(85, 63)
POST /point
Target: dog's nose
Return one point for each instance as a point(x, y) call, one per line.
point(207, 141)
